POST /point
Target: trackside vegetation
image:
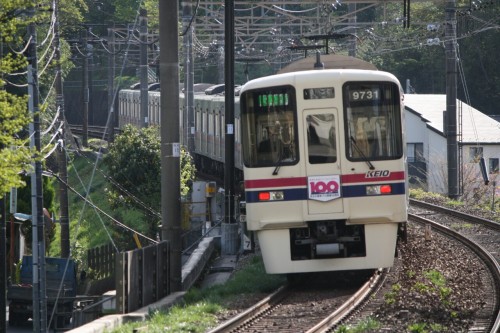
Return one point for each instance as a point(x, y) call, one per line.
point(199, 311)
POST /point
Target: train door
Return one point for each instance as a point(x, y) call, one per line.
point(322, 161)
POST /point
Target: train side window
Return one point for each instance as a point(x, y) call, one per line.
point(321, 138)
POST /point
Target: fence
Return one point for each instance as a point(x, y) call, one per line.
point(101, 264)
point(142, 276)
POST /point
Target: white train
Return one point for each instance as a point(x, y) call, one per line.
point(323, 158)
point(324, 168)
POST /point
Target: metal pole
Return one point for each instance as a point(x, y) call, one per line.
point(61, 156)
point(111, 83)
point(170, 146)
point(85, 69)
point(352, 22)
point(229, 109)
point(229, 228)
point(451, 97)
point(3, 266)
point(38, 246)
point(189, 76)
point(494, 183)
point(3, 248)
point(143, 36)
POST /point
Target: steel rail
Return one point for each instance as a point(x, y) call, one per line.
point(360, 297)
point(485, 255)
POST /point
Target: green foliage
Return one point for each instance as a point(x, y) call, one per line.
point(17, 272)
point(198, 314)
point(434, 283)
point(249, 280)
point(418, 328)
point(424, 328)
point(367, 325)
point(420, 194)
point(391, 296)
point(134, 162)
point(455, 203)
point(188, 171)
point(439, 281)
point(15, 155)
point(88, 226)
point(126, 11)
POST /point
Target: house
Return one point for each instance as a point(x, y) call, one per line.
point(427, 144)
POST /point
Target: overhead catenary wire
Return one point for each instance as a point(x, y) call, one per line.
point(125, 191)
point(466, 93)
point(115, 221)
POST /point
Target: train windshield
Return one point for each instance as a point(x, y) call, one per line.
point(373, 121)
point(269, 127)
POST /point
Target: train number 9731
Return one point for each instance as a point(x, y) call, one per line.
point(364, 95)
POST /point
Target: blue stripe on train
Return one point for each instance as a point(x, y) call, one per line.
point(349, 191)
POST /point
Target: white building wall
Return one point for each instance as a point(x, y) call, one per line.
point(437, 164)
point(415, 128)
point(472, 173)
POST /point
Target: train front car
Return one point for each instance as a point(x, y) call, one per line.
point(324, 169)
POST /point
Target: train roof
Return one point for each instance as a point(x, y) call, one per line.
point(330, 61)
point(314, 76)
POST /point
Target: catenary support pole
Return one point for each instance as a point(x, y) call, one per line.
point(143, 66)
point(229, 228)
point(85, 89)
point(61, 155)
point(38, 243)
point(451, 97)
point(188, 75)
point(170, 146)
point(3, 266)
point(111, 85)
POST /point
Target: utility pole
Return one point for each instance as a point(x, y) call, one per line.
point(170, 146)
point(188, 75)
point(38, 245)
point(451, 97)
point(111, 84)
point(85, 92)
point(143, 36)
point(3, 265)
point(61, 155)
point(229, 228)
point(352, 23)
point(3, 248)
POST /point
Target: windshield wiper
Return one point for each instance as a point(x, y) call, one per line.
point(370, 165)
point(278, 164)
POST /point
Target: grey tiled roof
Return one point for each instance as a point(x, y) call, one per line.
point(476, 126)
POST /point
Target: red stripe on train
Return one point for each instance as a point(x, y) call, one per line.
point(302, 181)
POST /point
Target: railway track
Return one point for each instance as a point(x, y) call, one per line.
point(299, 309)
point(96, 132)
point(478, 234)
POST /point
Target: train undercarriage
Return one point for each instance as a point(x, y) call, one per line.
point(327, 239)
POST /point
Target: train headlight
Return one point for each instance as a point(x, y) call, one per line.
point(271, 196)
point(378, 189)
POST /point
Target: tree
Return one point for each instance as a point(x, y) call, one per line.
point(15, 154)
point(134, 163)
